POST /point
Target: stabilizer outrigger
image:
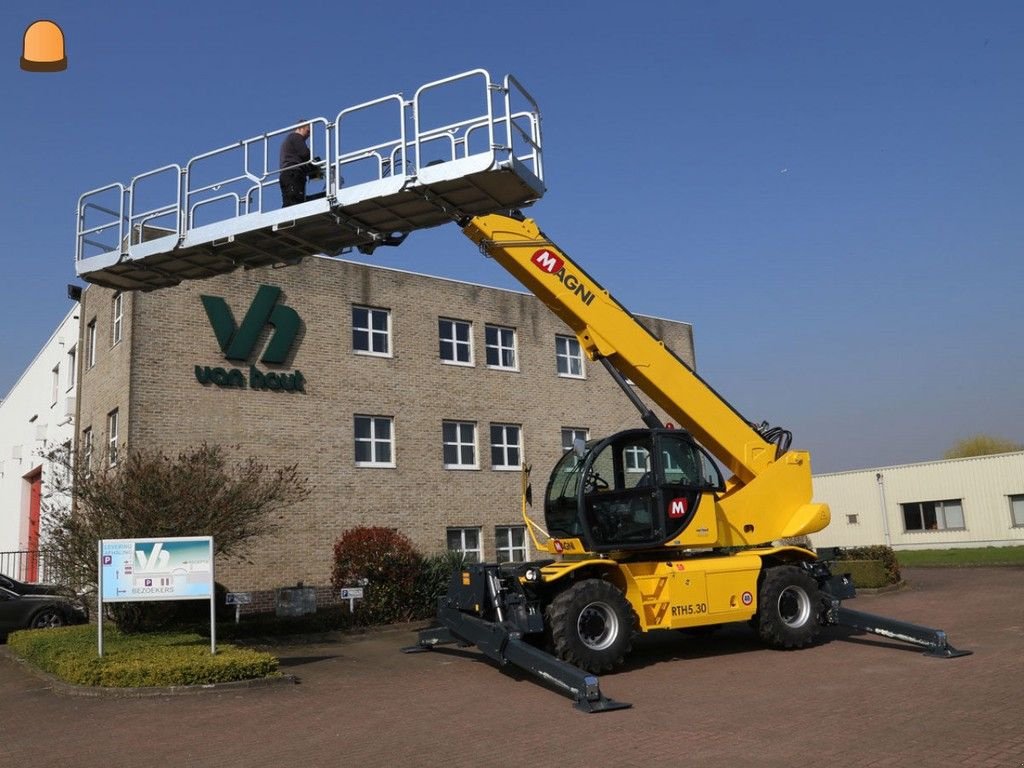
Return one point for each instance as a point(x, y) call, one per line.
point(494, 591)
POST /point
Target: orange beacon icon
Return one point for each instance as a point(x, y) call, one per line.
point(43, 49)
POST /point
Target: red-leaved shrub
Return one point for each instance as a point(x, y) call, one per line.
point(387, 565)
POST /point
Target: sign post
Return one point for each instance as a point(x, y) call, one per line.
point(152, 570)
point(238, 599)
point(352, 594)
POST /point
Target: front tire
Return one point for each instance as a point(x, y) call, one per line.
point(789, 608)
point(591, 625)
point(48, 618)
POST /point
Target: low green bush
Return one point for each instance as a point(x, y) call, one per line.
point(433, 582)
point(138, 660)
point(868, 574)
point(885, 555)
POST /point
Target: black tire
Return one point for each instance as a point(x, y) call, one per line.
point(789, 608)
point(48, 618)
point(592, 625)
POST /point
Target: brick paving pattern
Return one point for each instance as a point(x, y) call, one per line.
point(855, 700)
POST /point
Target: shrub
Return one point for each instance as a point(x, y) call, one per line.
point(433, 583)
point(132, 661)
point(877, 552)
point(387, 564)
point(201, 491)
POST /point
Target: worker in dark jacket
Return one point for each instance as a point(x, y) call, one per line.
point(295, 166)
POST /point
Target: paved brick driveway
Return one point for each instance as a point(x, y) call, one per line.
point(720, 701)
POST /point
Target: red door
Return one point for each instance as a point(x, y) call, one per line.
point(35, 496)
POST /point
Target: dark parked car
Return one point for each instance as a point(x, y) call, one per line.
point(23, 588)
point(38, 611)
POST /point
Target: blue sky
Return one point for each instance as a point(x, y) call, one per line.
point(829, 192)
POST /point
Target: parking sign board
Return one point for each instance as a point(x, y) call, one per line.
point(156, 569)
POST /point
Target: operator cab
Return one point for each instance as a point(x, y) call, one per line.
point(634, 490)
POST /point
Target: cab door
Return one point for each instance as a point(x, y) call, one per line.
point(686, 476)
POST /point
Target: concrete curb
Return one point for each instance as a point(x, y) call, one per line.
point(903, 584)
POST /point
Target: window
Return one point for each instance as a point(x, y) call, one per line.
point(54, 384)
point(637, 459)
point(456, 341)
point(371, 331)
point(90, 344)
point(501, 347)
point(87, 447)
point(571, 434)
point(510, 543)
point(71, 368)
point(374, 441)
point(1017, 509)
point(118, 316)
point(459, 445)
point(506, 446)
point(569, 357)
point(112, 437)
point(945, 515)
point(466, 541)
point(851, 520)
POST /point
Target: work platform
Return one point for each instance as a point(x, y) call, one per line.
point(462, 146)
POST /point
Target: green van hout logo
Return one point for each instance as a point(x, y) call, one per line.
point(238, 342)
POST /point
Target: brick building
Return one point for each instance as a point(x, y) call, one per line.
point(409, 401)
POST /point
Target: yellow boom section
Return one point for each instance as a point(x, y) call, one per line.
point(606, 329)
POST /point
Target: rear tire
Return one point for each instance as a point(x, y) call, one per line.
point(591, 625)
point(789, 608)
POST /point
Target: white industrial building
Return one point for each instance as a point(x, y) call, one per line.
point(35, 417)
point(972, 502)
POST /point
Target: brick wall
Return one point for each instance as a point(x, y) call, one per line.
point(169, 335)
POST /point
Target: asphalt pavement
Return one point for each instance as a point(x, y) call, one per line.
point(723, 700)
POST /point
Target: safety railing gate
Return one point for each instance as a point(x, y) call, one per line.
point(463, 145)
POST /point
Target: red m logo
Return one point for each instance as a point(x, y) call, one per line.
point(547, 261)
point(677, 507)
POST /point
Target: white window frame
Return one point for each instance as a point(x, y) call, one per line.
point(506, 438)
point(940, 515)
point(459, 443)
point(471, 554)
point(371, 332)
point(71, 360)
point(567, 352)
point(500, 347)
point(374, 440)
point(112, 427)
point(637, 459)
point(87, 448)
point(505, 548)
point(1016, 510)
point(116, 326)
point(573, 434)
point(456, 343)
point(90, 344)
point(54, 384)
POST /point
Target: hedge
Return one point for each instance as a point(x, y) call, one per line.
point(138, 660)
point(890, 567)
